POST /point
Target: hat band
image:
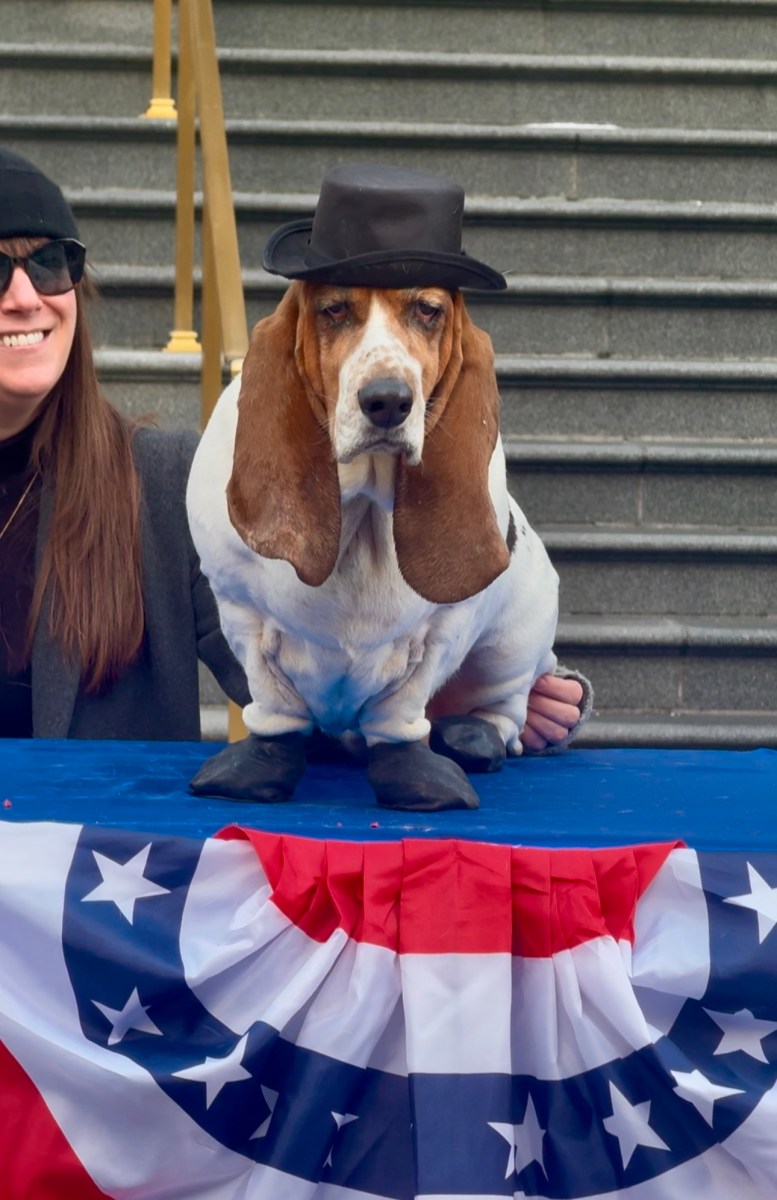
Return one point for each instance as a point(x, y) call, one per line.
point(289, 252)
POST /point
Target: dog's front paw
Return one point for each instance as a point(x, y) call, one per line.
point(475, 744)
point(261, 769)
point(411, 777)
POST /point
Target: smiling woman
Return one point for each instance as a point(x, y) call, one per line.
point(104, 609)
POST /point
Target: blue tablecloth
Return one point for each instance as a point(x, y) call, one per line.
point(390, 1005)
point(710, 799)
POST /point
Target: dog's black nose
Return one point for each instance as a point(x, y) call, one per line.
point(386, 402)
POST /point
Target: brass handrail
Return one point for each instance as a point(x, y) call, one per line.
point(223, 315)
point(220, 270)
point(162, 105)
point(183, 337)
point(224, 325)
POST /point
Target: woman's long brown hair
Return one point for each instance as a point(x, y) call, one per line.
point(91, 560)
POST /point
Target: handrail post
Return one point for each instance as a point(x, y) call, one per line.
point(223, 316)
point(236, 727)
point(183, 338)
point(219, 211)
point(162, 106)
point(210, 390)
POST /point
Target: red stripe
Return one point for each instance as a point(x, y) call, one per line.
point(451, 896)
point(36, 1162)
point(562, 898)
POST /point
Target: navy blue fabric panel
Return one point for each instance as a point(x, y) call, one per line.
point(710, 799)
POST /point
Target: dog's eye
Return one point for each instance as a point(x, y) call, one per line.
point(425, 312)
point(335, 312)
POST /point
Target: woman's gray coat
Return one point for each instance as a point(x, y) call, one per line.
point(158, 696)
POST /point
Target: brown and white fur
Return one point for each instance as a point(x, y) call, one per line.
point(349, 505)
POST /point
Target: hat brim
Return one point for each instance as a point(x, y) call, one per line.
point(288, 253)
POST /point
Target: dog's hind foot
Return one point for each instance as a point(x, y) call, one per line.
point(265, 770)
point(475, 744)
point(411, 777)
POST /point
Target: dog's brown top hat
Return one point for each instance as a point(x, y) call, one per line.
point(380, 226)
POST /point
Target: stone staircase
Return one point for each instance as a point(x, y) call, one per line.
point(620, 163)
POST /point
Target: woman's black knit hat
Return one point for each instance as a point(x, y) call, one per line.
point(31, 205)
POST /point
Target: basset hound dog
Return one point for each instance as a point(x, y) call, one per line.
point(349, 504)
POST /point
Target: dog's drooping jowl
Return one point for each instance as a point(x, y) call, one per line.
point(350, 508)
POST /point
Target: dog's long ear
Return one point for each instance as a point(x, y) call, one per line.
point(445, 530)
point(283, 495)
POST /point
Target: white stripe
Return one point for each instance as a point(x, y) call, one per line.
point(574, 1011)
point(247, 962)
point(351, 1018)
point(671, 930)
point(670, 959)
point(218, 931)
point(457, 1012)
point(264, 967)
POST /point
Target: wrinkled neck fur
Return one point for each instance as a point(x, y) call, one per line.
point(367, 498)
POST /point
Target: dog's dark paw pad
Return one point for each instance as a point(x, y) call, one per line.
point(256, 769)
point(411, 777)
point(476, 745)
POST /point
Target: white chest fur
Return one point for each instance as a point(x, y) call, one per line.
point(364, 632)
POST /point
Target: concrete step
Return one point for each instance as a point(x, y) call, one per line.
point(100, 80)
point(645, 483)
point(295, 84)
point(692, 239)
point(152, 383)
point(656, 665)
point(636, 571)
point(623, 318)
point(571, 397)
point(724, 730)
point(450, 87)
point(741, 29)
point(558, 399)
point(630, 318)
point(214, 721)
point(548, 237)
point(87, 152)
point(574, 162)
point(718, 29)
point(134, 225)
point(98, 22)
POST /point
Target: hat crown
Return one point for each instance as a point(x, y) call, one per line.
point(366, 210)
point(381, 226)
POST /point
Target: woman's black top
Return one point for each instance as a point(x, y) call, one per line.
point(17, 578)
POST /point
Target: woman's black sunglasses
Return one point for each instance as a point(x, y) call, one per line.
point(52, 269)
